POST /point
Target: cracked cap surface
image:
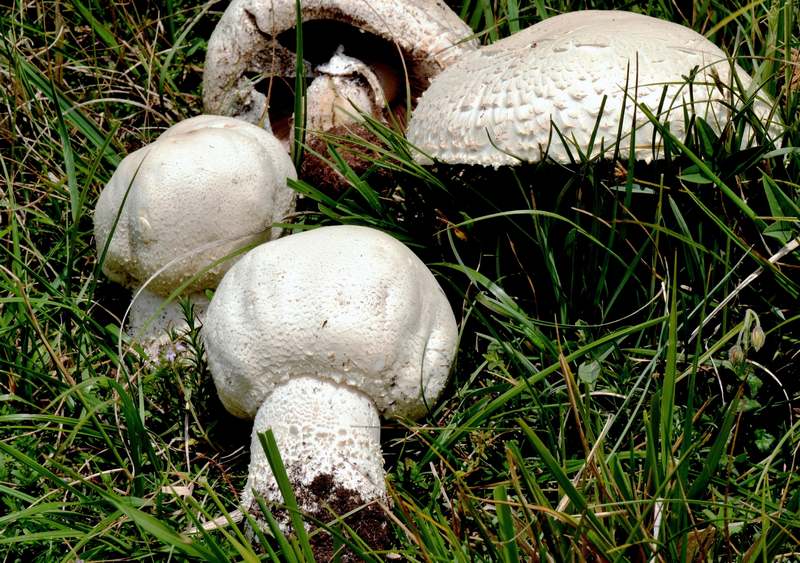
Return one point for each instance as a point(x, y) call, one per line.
point(494, 107)
point(347, 304)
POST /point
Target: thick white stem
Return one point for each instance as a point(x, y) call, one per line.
point(336, 100)
point(151, 320)
point(346, 86)
point(328, 435)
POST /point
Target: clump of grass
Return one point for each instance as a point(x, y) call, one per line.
point(627, 383)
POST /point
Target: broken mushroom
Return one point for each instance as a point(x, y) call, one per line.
point(177, 207)
point(315, 336)
point(357, 55)
point(539, 92)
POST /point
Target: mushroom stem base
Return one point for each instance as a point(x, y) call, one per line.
point(151, 319)
point(328, 436)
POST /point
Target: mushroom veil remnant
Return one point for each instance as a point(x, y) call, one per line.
point(315, 336)
point(356, 53)
point(496, 105)
point(178, 206)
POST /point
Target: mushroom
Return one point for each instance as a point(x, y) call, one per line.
point(358, 54)
point(179, 206)
point(344, 88)
point(503, 103)
point(315, 336)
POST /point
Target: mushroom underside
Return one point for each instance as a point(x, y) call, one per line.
point(323, 38)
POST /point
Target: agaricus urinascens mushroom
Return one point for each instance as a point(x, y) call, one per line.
point(495, 106)
point(206, 187)
point(315, 336)
point(354, 51)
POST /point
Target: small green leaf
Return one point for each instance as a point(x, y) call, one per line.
point(695, 179)
point(588, 372)
point(764, 440)
point(748, 405)
point(754, 383)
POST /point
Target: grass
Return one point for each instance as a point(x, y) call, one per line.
point(627, 382)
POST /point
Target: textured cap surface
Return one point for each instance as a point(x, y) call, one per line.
point(348, 304)
point(208, 182)
point(244, 44)
point(495, 106)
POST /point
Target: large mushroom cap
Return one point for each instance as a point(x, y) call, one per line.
point(350, 305)
point(206, 187)
point(254, 43)
point(495, 106)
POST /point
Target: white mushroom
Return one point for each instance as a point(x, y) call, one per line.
point(178, 206)
point(316, 335)
point(343, 89)
point(250, 62)
point(495, 106)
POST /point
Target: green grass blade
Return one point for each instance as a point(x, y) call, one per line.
point(703, 167)
point(711, 462)
point(505, 528)
point(97, 26)
point(267, 440)
point(670, 374)
point(576, 498)
point(157, 529)
point(299, 138)
point(69, 162)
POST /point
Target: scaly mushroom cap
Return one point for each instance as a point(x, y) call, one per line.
point(349, 305)
point(254, 41)
point(495, 106)
point(206, 187)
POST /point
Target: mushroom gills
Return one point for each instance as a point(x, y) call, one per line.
point(252, 54)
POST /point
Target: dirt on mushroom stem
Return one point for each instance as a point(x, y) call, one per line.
point(368, 521)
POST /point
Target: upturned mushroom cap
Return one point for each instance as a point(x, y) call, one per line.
point(206, 187)
point(254, 41)
point(350, 305)
point(495, 106)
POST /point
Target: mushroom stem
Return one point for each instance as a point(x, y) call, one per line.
point(346, 86)
point(151, 319)
point(328, 435)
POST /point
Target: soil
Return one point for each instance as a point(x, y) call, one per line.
point(368, 523)
point(350, 140)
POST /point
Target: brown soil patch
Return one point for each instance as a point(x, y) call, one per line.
point(369, 523)
point(360, 158)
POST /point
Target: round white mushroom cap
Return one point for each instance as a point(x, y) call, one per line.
point(495, 106)
point(253, 42)
point(205, 188)
point(346, 304)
